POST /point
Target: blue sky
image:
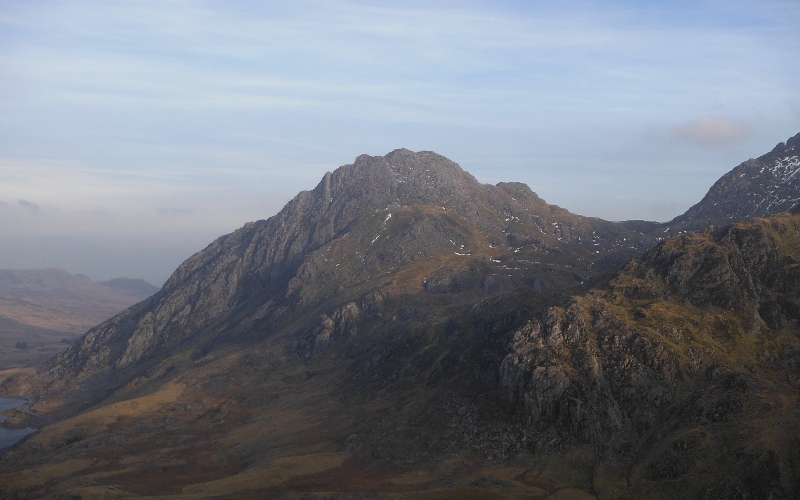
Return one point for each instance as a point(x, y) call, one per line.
point(133, 133)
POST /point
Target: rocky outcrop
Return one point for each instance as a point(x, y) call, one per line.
point(748, 266)
point(667, 350)
point(338, 326)
point(581, 371)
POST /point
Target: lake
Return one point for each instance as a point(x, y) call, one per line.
point(9, 437)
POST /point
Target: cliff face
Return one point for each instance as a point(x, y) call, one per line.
point(699, 339)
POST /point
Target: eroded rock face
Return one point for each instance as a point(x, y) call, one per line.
point(338, 327)
point(581, 371)
point(745, 266)
point(660, 366)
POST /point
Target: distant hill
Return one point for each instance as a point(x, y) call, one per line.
point(136, 287)
point(45, 309)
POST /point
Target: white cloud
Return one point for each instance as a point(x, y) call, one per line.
point(714, 132)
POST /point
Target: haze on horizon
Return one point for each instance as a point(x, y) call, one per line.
point(134, 133)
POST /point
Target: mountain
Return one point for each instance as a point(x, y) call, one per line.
point(403, 330)
point(758, 187)
point(42, 309)
point(416, 214)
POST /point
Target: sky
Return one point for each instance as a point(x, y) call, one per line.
point(133, 133)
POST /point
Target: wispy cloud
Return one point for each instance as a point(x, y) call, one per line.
point(382, 59)
point(123, 114)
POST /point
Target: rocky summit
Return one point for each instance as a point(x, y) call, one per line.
point(404, 330)
point(758, 187)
